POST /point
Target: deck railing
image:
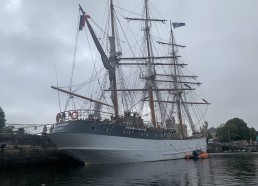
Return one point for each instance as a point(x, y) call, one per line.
point(82, 114)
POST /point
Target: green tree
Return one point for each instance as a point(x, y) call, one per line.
point(2, 119)
point(21, 130)
point(252, 134)
point(233, 129)
point(9, 129)
point(222, 133)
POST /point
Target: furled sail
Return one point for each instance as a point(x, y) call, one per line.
point(104, 58)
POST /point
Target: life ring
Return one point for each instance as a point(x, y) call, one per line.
point(74, 115)
point(58, 118)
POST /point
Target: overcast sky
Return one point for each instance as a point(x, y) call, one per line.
point(222, 49)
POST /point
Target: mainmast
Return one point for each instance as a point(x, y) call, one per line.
point(151, 86)
point(113, 61)
point(150, 75)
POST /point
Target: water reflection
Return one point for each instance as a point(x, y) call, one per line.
point(242, 166)
point(218, 170)
point(154, 173)
point(238, 168)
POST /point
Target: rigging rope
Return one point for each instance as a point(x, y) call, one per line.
point(73, 65)
point(56, 81)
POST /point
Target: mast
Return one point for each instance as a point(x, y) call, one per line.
point(149, 66)
point(179, 97)
point(178, 93)
point(113, 61)
point(109, 63)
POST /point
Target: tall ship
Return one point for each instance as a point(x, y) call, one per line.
point(139, 102)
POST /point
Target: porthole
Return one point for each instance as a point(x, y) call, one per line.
point(93, 128)
point(106, 129)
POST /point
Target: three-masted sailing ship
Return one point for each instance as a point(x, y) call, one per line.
point(137, 108)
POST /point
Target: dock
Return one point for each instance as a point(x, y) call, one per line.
point(28, 149)
point(231, 147)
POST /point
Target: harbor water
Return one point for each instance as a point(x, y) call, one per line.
point(219, 169)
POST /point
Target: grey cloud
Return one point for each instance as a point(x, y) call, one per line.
point(222, 50)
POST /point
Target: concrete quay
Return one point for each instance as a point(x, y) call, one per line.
point(26, 149)
point(231, 147)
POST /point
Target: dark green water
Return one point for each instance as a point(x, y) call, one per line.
point(219, 169)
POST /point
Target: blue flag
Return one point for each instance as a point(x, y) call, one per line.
point(175, 25)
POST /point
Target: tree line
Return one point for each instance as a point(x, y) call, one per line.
point(233, 130)
point(2, 119)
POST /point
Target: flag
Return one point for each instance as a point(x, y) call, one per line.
point(175, 25)
point(82, 21)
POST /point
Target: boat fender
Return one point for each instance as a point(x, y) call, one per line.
point(74, 115)
point(58, 118)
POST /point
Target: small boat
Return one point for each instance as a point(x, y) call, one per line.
point(197, 154)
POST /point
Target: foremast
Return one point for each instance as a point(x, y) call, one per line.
point(111, 62)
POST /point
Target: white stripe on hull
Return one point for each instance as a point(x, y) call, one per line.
point(102, 149)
